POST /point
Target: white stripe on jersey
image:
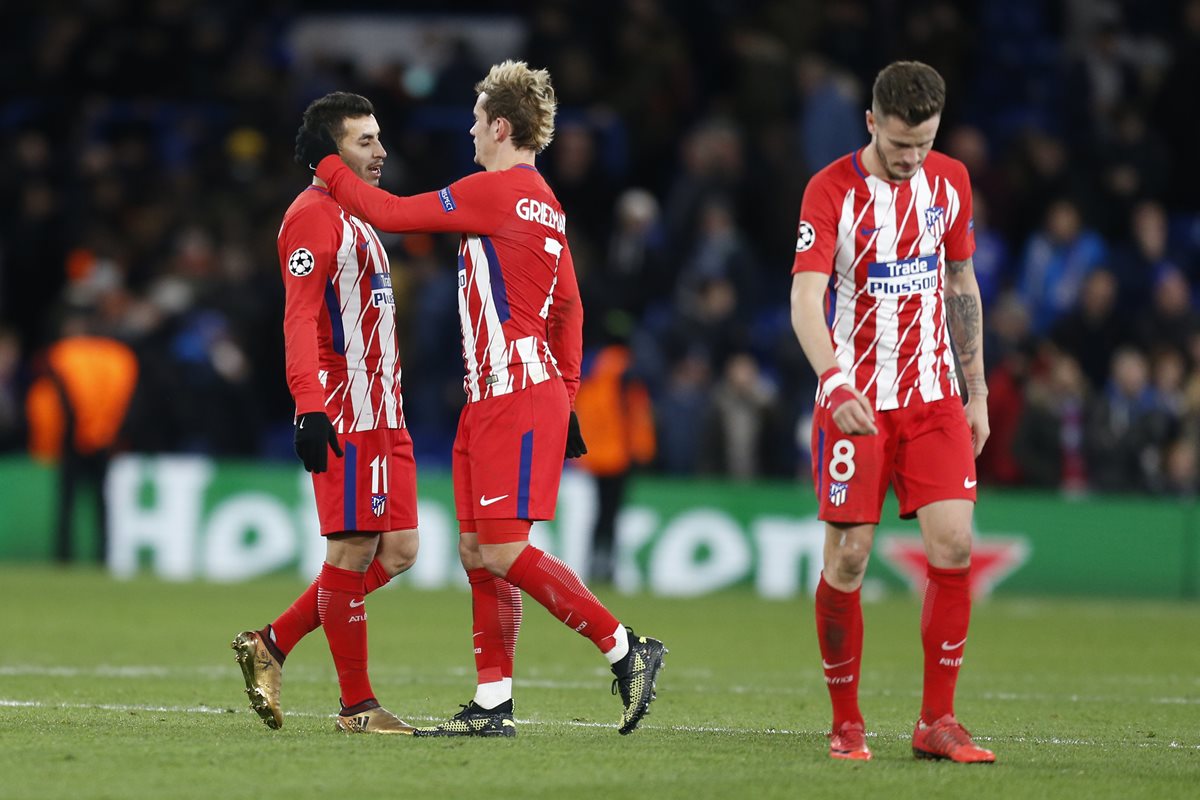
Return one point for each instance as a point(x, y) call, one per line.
point(347, 280)
point(932, 331)
point(489, 320)
point(535, 370)
point(465, 279)
point(389, 372)
point(887, 334)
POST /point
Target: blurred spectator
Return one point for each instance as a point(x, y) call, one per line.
point(12, 418)
point(1092, 330)
point(76, 408)
point(616, 416)
point(1008, 349)
point(1146, 252)
point(1171, 318)
point(1057, 259)
point(1049, 442)
point(744, 429)
point(831, 115)
point(683, 405)
point(1127, 429)
point(993, 267)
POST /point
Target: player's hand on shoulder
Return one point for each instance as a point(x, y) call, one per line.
point(575, 444)
point(313, 437)
point(312, 146)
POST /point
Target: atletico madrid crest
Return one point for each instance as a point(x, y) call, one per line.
point(837, 493)
point(378, 503)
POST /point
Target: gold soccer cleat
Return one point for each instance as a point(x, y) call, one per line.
point(370, 717)
point(263, 676)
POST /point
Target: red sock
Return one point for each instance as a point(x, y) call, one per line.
point(340, 602)
point(301, 617)
point(840, 634)
point(375, 577)
point(944, 620)
point(556, 586)
point(496, 612)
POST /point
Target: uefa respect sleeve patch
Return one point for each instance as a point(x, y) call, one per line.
point(447, 200)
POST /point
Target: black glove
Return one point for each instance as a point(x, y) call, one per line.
point(314, 437)
point(575, 445)
point(312, 146)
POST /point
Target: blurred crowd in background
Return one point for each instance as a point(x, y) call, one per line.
point(147, 164)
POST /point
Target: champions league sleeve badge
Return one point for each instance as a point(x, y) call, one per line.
point(301, 262)
point(806, 236)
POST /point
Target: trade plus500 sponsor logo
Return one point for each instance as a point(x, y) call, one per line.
point(908, 276)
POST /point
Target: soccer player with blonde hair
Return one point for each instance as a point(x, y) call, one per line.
point(522, 344)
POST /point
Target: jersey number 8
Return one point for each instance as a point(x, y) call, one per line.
point(841, 466)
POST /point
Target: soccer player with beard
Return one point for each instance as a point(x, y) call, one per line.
point(344, 374)
point(521, 322)
point(883, 283)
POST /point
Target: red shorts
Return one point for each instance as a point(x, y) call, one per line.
point(508, 454)
point(373, 487)
point(923, 451)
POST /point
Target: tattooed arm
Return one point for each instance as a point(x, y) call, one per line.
point(964, 316)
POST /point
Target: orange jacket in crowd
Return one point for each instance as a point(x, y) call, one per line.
point(615, 415)
point(99, 376)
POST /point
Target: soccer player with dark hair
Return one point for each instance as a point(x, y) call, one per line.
point(344, 373)
point(883, 285)
point(521, 322)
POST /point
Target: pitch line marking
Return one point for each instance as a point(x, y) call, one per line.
point(10, 703)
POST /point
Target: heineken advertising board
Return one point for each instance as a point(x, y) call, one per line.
point(187, 517)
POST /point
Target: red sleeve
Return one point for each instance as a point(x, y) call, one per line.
point(960, 239)
point(816, 235)
point(465, 206)
point(308, 244)
point(565, 324)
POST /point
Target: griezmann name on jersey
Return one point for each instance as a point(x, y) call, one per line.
point(339, 320)
point(518, 299)
point(885, 245)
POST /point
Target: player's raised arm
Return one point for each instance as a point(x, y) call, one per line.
point(454, 209)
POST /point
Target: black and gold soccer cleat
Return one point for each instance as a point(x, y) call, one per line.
point(263, 675)
point(370, 717)
point(636, 674)
point(475, 720)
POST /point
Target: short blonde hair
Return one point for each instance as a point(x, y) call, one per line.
point(525, 98)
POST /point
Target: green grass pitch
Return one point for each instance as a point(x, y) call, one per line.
point(129, 690)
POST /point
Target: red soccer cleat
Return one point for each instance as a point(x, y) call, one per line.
point(946, 738)
point(849, 741)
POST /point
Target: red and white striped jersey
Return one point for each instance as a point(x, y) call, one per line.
point(339, 319)
point(884, 246)
point(518, 302)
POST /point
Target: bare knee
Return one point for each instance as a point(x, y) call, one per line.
point(494, 562)
point(397, 551)
point(848, 567)
point(399, 558)
point(847, 551)
point(951, 550)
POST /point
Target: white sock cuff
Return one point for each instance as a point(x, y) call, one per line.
point(621, 647)
point(490, 695)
